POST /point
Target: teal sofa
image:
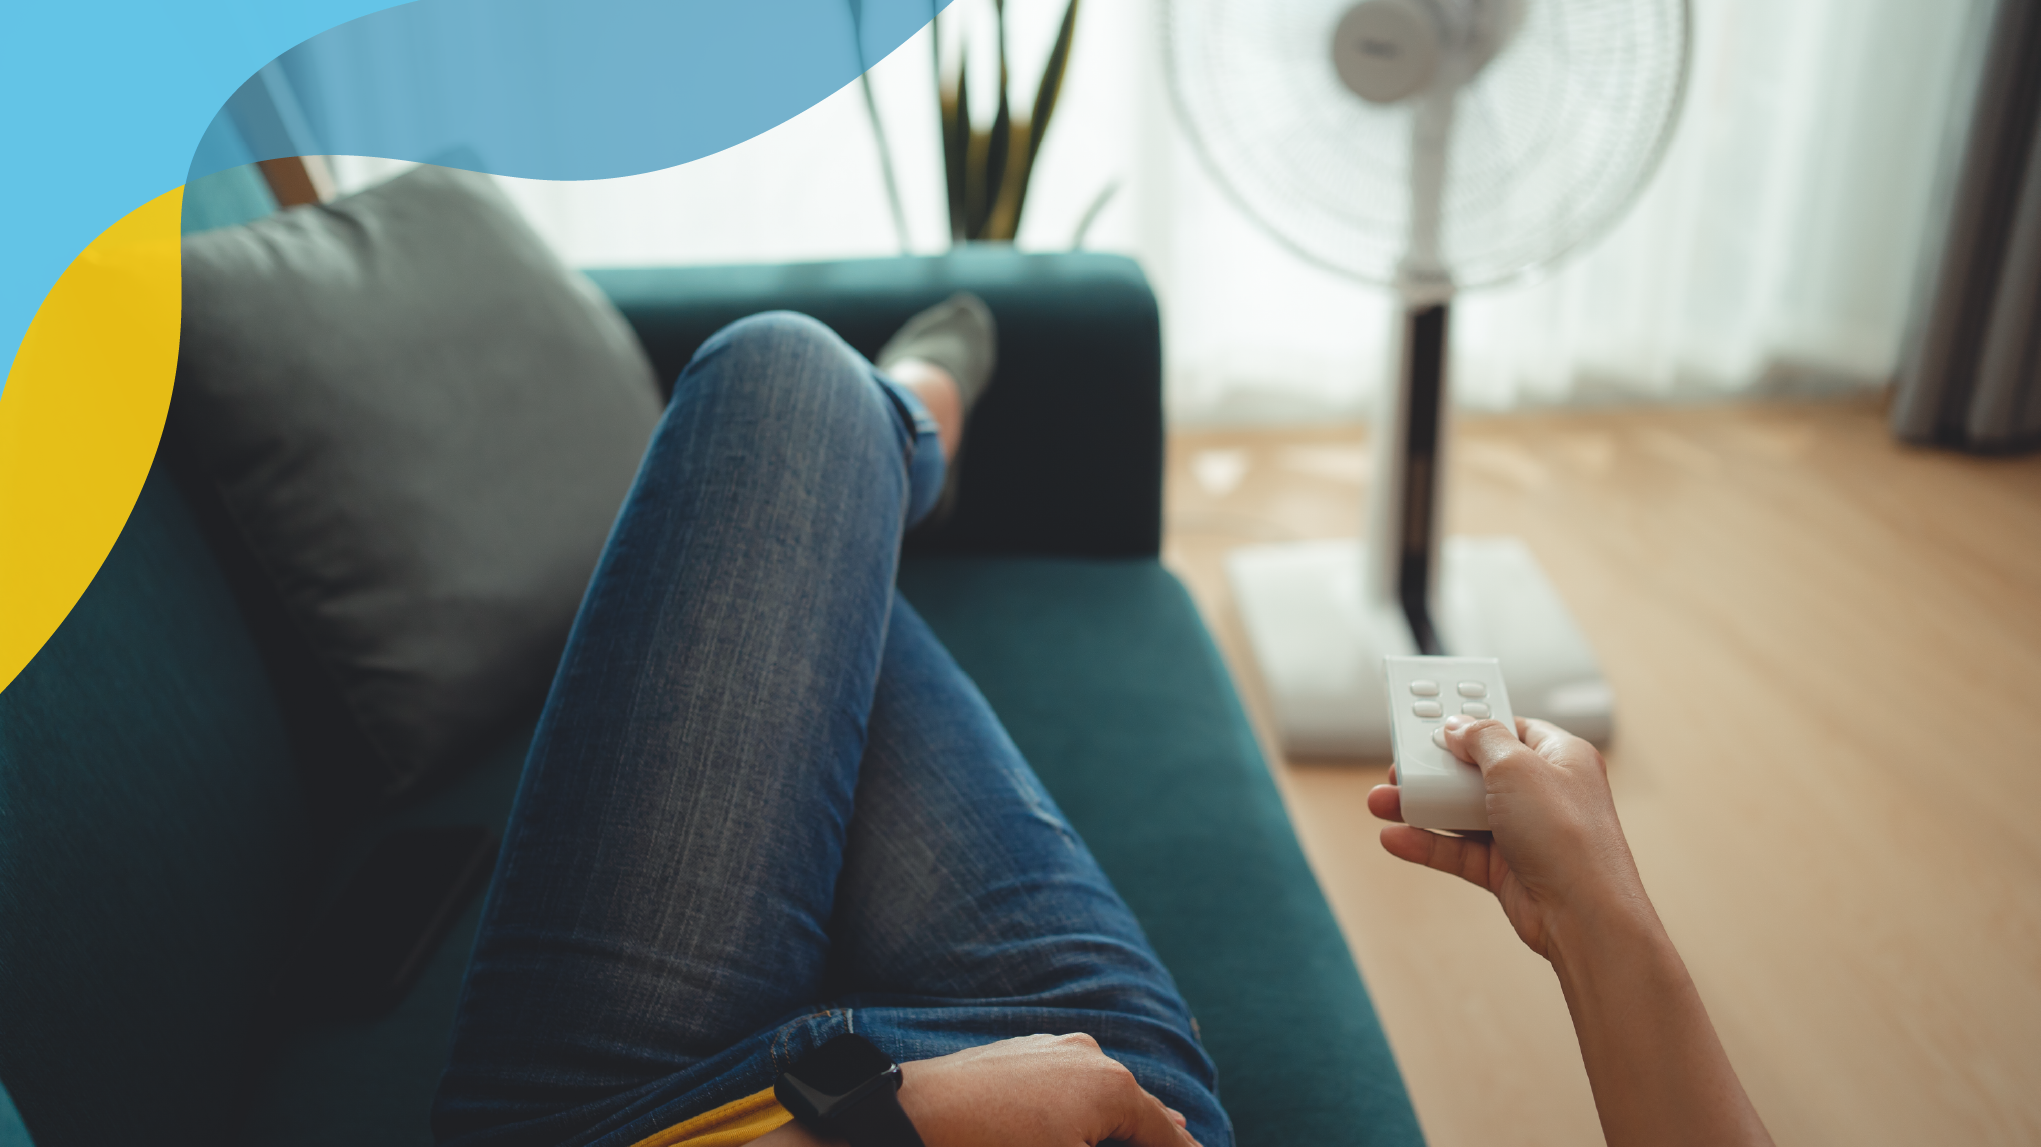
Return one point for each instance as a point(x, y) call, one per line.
point(161, 841)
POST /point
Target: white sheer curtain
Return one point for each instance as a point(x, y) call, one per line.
point(1774, 250)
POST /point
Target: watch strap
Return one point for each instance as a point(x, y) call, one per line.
point(876, 1121)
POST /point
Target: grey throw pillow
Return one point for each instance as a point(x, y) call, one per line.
point(423, 423)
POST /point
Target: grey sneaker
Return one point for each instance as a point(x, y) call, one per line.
point(958, 335)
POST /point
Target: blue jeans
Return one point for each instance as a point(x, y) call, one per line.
point(764, 806)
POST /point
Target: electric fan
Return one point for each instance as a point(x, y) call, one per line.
point(1428, 146)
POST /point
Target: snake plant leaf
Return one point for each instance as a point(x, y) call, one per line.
point(999, 143)
point(956, 115)
point(987, 170)
point(977, 197)
point(1045, 107)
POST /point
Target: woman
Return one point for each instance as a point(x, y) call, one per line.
point(764, 811)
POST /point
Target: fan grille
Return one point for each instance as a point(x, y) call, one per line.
point(1550, 142)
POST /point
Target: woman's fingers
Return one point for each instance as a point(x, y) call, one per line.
point(1035, 1091)
point(1461, 856)
point(1175, 1116)
point(1552, 742)
point(1483, 742)
point(1386, 802)
point(1148, 1124)
point(1535, 733)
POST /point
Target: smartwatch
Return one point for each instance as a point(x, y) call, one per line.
point(849, 1090)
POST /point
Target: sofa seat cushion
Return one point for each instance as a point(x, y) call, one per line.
point(1104, 674)
point(346, 1083)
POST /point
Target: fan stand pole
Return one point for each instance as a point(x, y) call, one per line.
point(1403, 540)
point(1322, 615)
point(1403, 534)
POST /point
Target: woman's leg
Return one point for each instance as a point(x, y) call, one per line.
point(968, 910)
point(660, 927)
point(668, 872)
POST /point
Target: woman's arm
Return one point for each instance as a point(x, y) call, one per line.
point(1557, 861)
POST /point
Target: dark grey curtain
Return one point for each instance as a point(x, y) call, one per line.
point(1970, 375)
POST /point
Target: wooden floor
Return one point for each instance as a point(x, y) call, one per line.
point(1826, 655)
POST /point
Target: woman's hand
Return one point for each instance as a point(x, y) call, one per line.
point(1555, 857)
point(1036, 1091)
point(1555, 852)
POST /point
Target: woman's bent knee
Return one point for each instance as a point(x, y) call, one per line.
point(784, 392)
point(772, 330)
point(787, 370)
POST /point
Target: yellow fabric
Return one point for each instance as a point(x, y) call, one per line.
point(738, 1121)
point(80, 417)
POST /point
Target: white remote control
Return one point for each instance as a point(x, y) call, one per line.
point(1440, 790)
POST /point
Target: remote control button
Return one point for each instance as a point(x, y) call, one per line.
point(1426, 709)
point(1439, 736)
point(1475, 708)
point(1425, 688)
point(1473, 689)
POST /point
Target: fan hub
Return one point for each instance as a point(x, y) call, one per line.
point(1388, 50)
point(1385, 50)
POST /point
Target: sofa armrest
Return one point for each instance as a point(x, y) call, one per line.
point(1065, 451)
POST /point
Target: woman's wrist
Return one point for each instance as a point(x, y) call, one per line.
point(1658, 1071)
point(914, 1087)
point(1615, 924)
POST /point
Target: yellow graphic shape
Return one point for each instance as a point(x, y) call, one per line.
point(80, 420)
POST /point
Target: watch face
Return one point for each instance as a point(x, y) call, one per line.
point(838, 1068)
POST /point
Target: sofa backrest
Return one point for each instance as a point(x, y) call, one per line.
point(1064, 456)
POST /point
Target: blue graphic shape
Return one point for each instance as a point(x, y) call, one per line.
point(548, 90)
point(103, 102)
point(107, 100)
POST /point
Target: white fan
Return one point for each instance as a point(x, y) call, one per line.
point(1429, 146)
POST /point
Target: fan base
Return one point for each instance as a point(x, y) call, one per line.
point(1319, 641)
